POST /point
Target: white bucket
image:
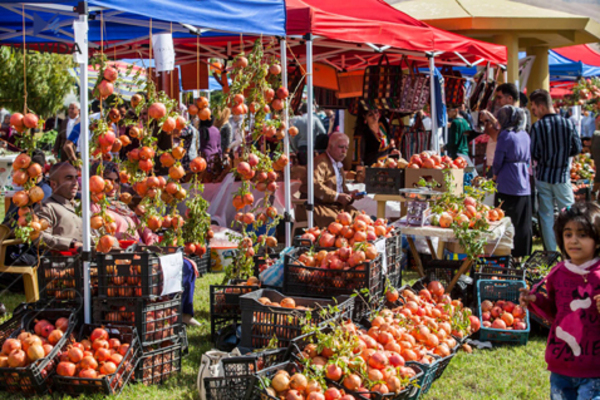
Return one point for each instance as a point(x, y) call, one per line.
point(221, 257)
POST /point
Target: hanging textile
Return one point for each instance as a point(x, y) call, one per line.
point(454, 85)
point(416, 140)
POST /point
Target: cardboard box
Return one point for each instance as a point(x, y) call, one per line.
point(413, 176)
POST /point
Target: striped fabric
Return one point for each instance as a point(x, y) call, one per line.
point(127, 82)
point(553, 140)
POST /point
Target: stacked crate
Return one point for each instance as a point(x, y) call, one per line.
point(130, 287)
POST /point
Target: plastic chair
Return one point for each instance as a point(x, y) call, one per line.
point(30, 279)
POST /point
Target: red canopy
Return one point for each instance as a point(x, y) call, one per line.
point(376, 22)
point(582, 52)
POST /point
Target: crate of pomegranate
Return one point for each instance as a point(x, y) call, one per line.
point(384, 180)
point(159, 362)
point(136, 274)
point(393, 251)
point(335, 273)
point(238, 374)
point(267, 313)
point(329, 349)
point(99, 359)
point(156, 321)
point(225, 303)
point(503, 319)
point(33, 341)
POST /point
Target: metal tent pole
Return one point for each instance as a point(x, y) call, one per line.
point(85, 173)
point(309, 123)
point(434, 127)
point(286, 148)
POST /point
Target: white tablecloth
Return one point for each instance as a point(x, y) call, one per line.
point(220, 197)
point(369, 205)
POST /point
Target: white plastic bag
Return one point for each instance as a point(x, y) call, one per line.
point(211, 367)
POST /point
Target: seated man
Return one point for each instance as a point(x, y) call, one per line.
point(331, 194)
point(65, 227)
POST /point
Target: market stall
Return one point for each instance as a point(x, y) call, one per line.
point(154, 282)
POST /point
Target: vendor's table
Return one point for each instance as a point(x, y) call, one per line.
point(494, 235)
point(383, 200)
point(372, 206)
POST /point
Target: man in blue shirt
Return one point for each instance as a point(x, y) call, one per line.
point(554, 141)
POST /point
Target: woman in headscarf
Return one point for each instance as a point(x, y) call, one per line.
point(127, 223)
point(511, 173)
point(376, 140)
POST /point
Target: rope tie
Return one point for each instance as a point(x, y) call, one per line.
point(24, 67)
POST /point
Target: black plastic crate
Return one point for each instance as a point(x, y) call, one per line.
point(405, 394)
point(131, 274)
point(425, 380)
point(257, 389)
point(37, 377)
point(156, 365)
point(444, 362)
point(300, 280)
point(261, 323)
point(225, 305)
point(265, 254)
point(61, 277)
point(109, 384)
point(444, 271)
point(227, 388)
point(384, 180)
point(156, 321)
point(238, 374)
point(541, 257)
point(394, 254)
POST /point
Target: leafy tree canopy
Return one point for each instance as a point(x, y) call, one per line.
point(48, 81)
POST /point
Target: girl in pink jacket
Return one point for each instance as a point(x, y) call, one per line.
point(572, 304)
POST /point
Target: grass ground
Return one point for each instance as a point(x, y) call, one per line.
point(504, 372)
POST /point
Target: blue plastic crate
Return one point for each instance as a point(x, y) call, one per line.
point(495, 290)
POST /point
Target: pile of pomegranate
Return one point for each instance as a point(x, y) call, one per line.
point(344, 258)
point(468, 211)
point(26, 174)
point(346, 231)
point(504, 315)
point(27, 348)
point(426, 160)
point(351, 361)
point(94, 357)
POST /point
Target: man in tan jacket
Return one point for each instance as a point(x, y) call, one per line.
point(65, 228)
point(331, 193)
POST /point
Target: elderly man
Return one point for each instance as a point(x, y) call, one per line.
point(331, 194)
point(65, 228)
point(65, 130)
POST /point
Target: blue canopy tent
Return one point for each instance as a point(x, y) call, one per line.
point(561, 68)
point(121, 21)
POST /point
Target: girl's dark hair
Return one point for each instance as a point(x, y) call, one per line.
point(587, 215)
